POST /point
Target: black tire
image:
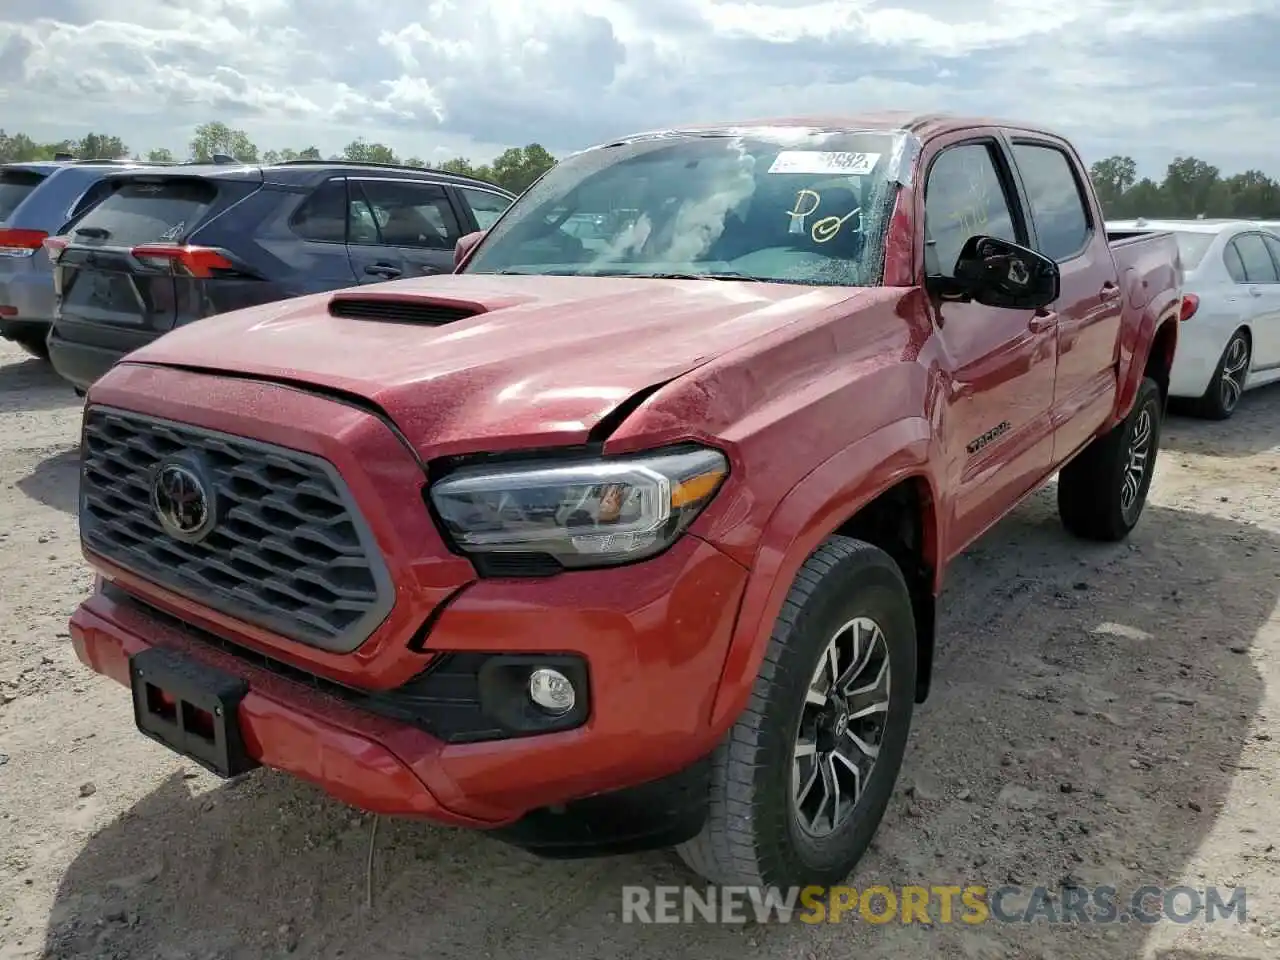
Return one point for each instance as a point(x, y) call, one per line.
point(753, 835)
point(1092, 497)
point(37, 346)
point(1222, 396)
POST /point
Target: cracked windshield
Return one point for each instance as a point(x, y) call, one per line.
point(803, 208)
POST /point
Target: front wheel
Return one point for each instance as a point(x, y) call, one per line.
point(801, 782)
point(1102, 492)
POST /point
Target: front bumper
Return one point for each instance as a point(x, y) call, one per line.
point(654, 635)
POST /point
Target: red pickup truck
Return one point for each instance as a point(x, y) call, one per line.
point(629, 532)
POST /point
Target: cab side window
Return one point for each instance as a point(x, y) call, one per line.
point(963, 197)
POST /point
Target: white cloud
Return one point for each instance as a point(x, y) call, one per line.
point(1151, 78)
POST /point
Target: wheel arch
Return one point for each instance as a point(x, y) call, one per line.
point(1159, 362)
point(882, 489)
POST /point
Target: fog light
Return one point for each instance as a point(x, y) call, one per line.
point(551, 690)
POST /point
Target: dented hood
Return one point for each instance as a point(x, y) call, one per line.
point(540, 365)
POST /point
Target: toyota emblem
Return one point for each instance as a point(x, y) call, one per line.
point(183, 502)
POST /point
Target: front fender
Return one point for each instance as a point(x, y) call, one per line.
point(814, 508)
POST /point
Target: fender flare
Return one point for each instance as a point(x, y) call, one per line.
point(810, 512)
point(1153, 322)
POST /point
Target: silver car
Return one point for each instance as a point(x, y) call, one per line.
point(40, 199)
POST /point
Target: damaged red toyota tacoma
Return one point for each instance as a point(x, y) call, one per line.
point(629, 533)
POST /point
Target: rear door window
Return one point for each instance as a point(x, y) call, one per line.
point(162, 211)
point(16, 186)
point(1258, 267)
point(1055, 198)
point(1273, 247)
point(486, 207)
point(407, 213)
point(1234, 265)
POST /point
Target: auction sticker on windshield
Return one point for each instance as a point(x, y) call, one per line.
point(818, 162)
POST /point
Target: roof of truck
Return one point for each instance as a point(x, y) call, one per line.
point(922, 124)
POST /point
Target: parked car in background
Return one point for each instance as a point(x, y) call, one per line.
point(1230, 341)
point(172, 246)
point(38, 200)
point(636, 540)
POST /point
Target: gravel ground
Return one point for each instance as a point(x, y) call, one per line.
point(1102, 715)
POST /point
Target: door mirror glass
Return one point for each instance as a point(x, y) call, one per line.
point(998, 273)
point(464, 247)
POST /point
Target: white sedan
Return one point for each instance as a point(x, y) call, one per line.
point(1229, 341)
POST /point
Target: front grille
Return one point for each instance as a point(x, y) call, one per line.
point(422, 313)
point(287, 551)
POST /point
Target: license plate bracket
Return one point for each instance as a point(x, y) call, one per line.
point(191, 708)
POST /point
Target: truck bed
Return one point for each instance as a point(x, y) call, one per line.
point(1145, 259)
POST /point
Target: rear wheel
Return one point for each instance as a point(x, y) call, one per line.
point(801, 782)
point(1225, 389)
point(1101, 493)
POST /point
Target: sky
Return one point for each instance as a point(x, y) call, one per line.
point(1151, 79)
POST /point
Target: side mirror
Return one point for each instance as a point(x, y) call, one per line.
point(998, 273)
point(465, 246)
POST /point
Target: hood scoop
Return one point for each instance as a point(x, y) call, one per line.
point(401, 308)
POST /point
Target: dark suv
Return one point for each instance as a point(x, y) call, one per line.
point(171, 246)
point(37, 200)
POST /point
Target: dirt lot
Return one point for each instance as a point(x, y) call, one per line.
point(1104, 715)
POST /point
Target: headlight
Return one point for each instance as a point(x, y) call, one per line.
point(584, 514)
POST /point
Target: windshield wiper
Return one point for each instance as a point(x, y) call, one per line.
point(100, 232)
point(675, 276)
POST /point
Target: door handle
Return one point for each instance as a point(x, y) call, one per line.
point(1042, 321)
point(382, 270)
point(1110, 291)
point(1255, 292)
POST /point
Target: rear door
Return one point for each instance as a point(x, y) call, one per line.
point(400, 228)
point(1088, 312)
point(127, 263)
point(319, 225)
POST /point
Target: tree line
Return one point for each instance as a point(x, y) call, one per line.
point(1190, 187)
point(514, 169)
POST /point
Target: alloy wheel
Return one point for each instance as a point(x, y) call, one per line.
point(1136, 462)
point(841, 727)
point(1234, 367)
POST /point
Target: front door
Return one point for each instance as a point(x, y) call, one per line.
point(1090, 306)
point(1000, 362)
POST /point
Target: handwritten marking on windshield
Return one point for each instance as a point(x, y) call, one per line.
point(813, 198)
point(807, 202)
point(828, 227)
